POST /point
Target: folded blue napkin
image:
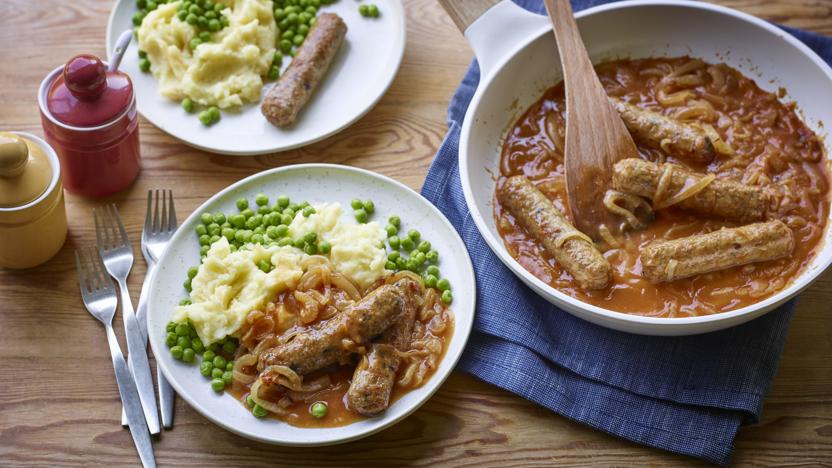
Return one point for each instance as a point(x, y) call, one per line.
point(683, 394)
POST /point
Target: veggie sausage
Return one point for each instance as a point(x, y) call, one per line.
point(728, 247)
point(654, 130)
point(294, 88)
point(720, 198)
point(572, 250)
point(374, 377)
point(323, 346)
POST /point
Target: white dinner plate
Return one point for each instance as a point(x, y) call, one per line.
point(316, 183)
point(358, 77)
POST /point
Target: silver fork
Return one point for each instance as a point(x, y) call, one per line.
point(99, 295)
point(117, 254)
point(159, 226)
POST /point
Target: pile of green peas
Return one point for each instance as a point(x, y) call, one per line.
point(294, 18)
point(422, 259)
point(217, 363)
point(368, 10)
point(362, 209)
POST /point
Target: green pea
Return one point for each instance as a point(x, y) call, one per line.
point(202, 22)
point(424, 247)
point(392, 256)
point(303, 30)
point(361, 215)
point(217, 384)
point(230, 366)
point(215, 113)
point(228, 233)
point(183, 342)
point(229, 347)
point(183, 302)
point(225, 21)
point(363, 10)
point(401, 263)
point(407, 244)
point(197, 345)
point(201, 229)
point(304, 18)
point(283, 201)
point(264, 266)
point(188, 105)
point(411, 264)
point(261, 199)
point(205, 368)
point(312, 10)
point(324, 247)
point(284, 242)
point(391, 230)
point(171, 339)
point(211, 14)
point(433, 270)
point(432, 256)
point(208, 355)
point(203, 250)
point(447, 297)
point(226, 377)
point(369, 206)
point(191, 19)
point(188, 355)
point(206, 218)
point(257, 238)
point(282, 230)
point(311, 249)
point(193, 44)
point(144, 65)
point(292, 18)
point(274, 219)
point(205, 36)
point(195, 9)
point(214, 229)
point(310, 237)
point(137, 18)
point(171, 326)
point(373, 11)
point(242, 204)
point(286, 219)
point(220, 361)
point(176, 352)
point(238, 220)
point(182, 15)
point(271, 231)
point(213, 239)
point(219, 218)
point(419, 257)
point(205, 116)
point(151, 5)
point(279, 14)
point(414, 235)
point(219, 7)
point(394, 242)
point(356, 204)
point(274, 72)
point(182, 329)
point(297, 40)
point(308, 211)
point(318, 409)
point(390, 265)
point(444, 284)
point(247, 213)
point(430, 280)
point(259, 412)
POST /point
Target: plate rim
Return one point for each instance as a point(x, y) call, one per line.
point(109, 39)
point(467, 266)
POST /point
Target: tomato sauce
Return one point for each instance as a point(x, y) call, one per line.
point(771, 146)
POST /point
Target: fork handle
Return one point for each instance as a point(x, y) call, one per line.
point(130, 399)
point(137, 355)
point(141, 317)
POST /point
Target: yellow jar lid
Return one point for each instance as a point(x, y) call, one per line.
point(25, 171)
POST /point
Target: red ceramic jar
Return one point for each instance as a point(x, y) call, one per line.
point(89, 117)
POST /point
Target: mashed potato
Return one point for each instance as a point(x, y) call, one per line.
point(226, 72)
point(357, 249)
point(229, 284)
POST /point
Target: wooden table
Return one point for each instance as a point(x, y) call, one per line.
point(58, 400)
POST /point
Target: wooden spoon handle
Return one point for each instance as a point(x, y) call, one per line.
point(465, 12)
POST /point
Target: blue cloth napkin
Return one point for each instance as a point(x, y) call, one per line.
point(683, 394)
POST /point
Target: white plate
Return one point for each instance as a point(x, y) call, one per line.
point(315, 183)
point(358, 77)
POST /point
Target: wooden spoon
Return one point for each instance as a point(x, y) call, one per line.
point(596, 137)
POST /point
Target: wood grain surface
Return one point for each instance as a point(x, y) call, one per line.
point(58, 399)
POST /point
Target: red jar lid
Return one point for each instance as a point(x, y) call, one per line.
point(87, 95)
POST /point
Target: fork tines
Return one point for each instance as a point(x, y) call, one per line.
point(109, 230)
point(92, 276)
point(167, 220)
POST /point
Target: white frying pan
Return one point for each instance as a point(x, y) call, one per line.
point(518, 61)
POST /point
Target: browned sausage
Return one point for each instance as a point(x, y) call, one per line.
point(654, 130)
point(721, 198)
point(374, 377)
point(294, 88)
point(323, 346)
point(728, 247)
point(572, 250)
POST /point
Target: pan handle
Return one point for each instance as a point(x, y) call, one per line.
point(495, 29)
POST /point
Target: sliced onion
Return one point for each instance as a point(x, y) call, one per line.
point(266, 404)
point(687, 192)
point(286, 377)
point(237, 372)
point(575, 234)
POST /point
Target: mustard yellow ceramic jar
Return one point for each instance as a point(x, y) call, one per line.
point(32, 212)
